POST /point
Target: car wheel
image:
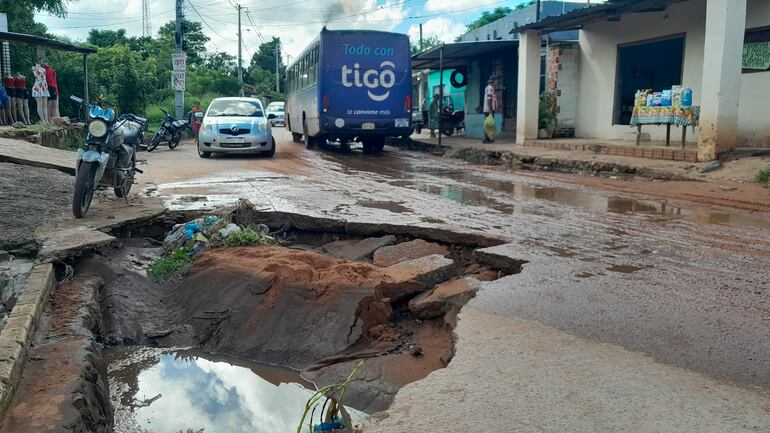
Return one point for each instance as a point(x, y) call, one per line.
point(202, 153)
point(270, 153)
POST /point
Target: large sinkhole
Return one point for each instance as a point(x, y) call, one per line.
point(253, 325)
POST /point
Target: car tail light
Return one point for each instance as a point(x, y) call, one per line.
point(408, 103)
point(325, 102)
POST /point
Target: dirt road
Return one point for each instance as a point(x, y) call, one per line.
point(675, 270)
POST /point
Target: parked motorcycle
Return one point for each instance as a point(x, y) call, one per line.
point(170, 131)
point(108, 155)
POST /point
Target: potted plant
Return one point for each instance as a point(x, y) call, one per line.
point(547, 115)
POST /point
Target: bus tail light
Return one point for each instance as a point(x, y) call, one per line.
point(408, 104)
point(325, 102)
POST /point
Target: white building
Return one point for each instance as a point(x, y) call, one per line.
point(626, 45)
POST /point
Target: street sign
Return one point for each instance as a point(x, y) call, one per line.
point(179, 61)
point(177, 80)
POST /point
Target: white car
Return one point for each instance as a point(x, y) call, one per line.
point(276, 109)
point(235, 125)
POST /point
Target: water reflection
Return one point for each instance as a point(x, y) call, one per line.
point(171, 391)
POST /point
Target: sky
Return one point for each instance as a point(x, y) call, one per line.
point(296, 22)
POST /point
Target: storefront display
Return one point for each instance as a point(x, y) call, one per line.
point(667, 107)
point(22, 99)
point(41, 94)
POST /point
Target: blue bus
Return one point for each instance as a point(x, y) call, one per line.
point(351, 85)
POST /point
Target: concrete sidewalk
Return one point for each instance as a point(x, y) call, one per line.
point(579, 157)
point(26, 153)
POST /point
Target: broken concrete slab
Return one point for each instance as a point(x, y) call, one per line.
point(354, 249)
point(72, 241)
point(506, 257)
point(417, 275)
point(390, 255)
point(444, 298)
point(25, 153)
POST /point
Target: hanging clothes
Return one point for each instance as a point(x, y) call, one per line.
point(50, 79)
point(40, 88)
point(3, 98)
point(21, 86)
point(10, 86)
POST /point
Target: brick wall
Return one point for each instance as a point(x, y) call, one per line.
point(562, 71)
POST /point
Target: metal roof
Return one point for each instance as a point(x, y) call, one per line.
point(611, 10)
point(458, 54)
point(44, 42)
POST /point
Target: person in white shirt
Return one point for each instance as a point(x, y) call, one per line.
point(490, 103)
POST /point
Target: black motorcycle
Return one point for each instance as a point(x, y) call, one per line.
point(170, 131)
point(108, 155)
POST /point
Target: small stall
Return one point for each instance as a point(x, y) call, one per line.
point(669, 107)
point(44, 90)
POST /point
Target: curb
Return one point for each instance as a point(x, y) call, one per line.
point(15, 337)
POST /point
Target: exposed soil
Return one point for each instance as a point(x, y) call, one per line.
point(64, 387)
point(291, 307)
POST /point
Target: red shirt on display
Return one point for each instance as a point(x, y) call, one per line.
point(10, 83)
point(21, 82)
point(50, 76)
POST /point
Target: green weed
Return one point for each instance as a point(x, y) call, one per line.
point(170, 266)
point(763, 176)
point(247, 237)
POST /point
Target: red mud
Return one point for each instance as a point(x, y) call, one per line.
point(299, 309)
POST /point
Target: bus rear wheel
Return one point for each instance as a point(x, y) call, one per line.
point(308, 140)
point(373, 145)
point(297, 138)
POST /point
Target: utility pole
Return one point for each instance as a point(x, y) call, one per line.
point(537, 13)
point(277, 54)
point(420, 37)
point(179, 94)
point(240, 43)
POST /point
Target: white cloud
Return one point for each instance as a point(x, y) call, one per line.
point(296, 22)
point(443, 28)
point(450, 5)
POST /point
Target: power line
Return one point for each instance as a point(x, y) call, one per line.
point(207, 24)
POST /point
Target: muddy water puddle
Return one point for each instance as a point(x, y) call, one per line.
point(173, 390)
point(485, 188)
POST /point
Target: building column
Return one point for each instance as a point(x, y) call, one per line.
point(528, 98)
point(722, 59)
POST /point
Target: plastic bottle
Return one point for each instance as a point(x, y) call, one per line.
point(687, 97)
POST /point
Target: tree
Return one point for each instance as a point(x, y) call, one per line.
point(107, 38)
point(265, 56)
point(221, 61)
point(489, 17)
point(195, 40)
point(427, 43)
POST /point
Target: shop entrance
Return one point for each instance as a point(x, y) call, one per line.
point(643, 65)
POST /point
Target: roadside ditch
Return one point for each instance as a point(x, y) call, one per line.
point(295, 310)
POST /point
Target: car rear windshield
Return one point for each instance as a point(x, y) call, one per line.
point(233, 108)
point(275, 107)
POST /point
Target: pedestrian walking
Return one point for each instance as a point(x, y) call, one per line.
point(490, 106)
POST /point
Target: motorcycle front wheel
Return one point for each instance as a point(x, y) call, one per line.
point(154, 142)
point(84, 188)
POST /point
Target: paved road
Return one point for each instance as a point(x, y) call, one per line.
point(681, 291)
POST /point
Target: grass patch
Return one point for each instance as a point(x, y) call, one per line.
point(247, 237)
point(170, 266)
point(763, 176)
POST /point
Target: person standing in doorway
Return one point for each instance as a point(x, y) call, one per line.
point(490, 105)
